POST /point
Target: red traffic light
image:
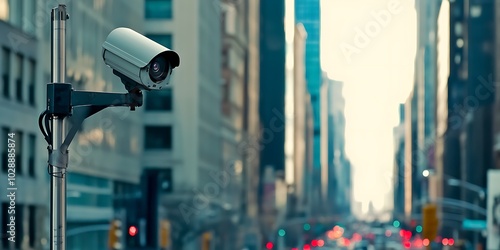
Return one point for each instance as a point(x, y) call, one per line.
point(132, 231)
point(269, 245)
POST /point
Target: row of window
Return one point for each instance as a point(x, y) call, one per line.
point(156, 137)
point(18, 77)
point(20, 139)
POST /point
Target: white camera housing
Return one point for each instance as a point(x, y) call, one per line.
point(139, 61)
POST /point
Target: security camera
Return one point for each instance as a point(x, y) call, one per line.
point(140, 62)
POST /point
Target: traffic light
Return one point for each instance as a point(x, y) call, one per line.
point(132, 238)
point(115, 235)
point(396, 223)
point(269, 245)
point(164, 234)
point(132, 231)
point(430, 222)
point(156, 182)
point(206, 241)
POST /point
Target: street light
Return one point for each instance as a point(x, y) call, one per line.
point(469, 186)
point(426, 173)
point(459, 183)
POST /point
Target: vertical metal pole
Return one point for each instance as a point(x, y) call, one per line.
point(58, 177)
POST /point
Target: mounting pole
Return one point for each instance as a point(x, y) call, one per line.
point(63, 103)
point(58, 171)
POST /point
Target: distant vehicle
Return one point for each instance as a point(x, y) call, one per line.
point(362, 245)
point(391, 245)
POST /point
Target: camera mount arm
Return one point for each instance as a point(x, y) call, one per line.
point(63, 101)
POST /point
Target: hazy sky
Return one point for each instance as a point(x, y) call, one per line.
point(370, 46)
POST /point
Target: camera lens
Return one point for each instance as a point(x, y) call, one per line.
point(158, 69)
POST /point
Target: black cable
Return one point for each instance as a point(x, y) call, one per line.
point(54, 174)
point(47, 133)
point(48, 128)
point(40, 125)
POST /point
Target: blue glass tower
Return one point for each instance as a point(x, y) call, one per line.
point(307, 12)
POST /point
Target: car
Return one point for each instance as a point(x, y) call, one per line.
point(362, 245)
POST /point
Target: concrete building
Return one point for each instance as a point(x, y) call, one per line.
point(193, 123)
point(302, 169)
point(234, 49)
point(240, 133)
point(22, 100)
point(175, 138)
point(91, 182)
point(466, 151)
point(251, 128)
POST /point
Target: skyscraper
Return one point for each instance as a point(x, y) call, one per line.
point(272, 96)
point(307, 12)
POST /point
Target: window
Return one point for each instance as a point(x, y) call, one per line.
point(163, 39)
point(6, 72)
point(31, 154)
point(158, 137)
point(314, 98)
point(18, 136)
point(19, 227)
point(317, 132)
point(158, 9)
point(90, 199)
point(31, 83)
point(159, 100)
point(3, 146)
point(32, 226)
point(5, 221)
point(19, 77)
point(87, 180)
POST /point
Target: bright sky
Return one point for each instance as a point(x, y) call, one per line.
point(377, 76)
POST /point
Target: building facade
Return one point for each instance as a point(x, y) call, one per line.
point(90, 182)
point(251, 129)
point(21, 100)
point(302, 169)
point(271, 104)
point(467, 105)
point(192, 123)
